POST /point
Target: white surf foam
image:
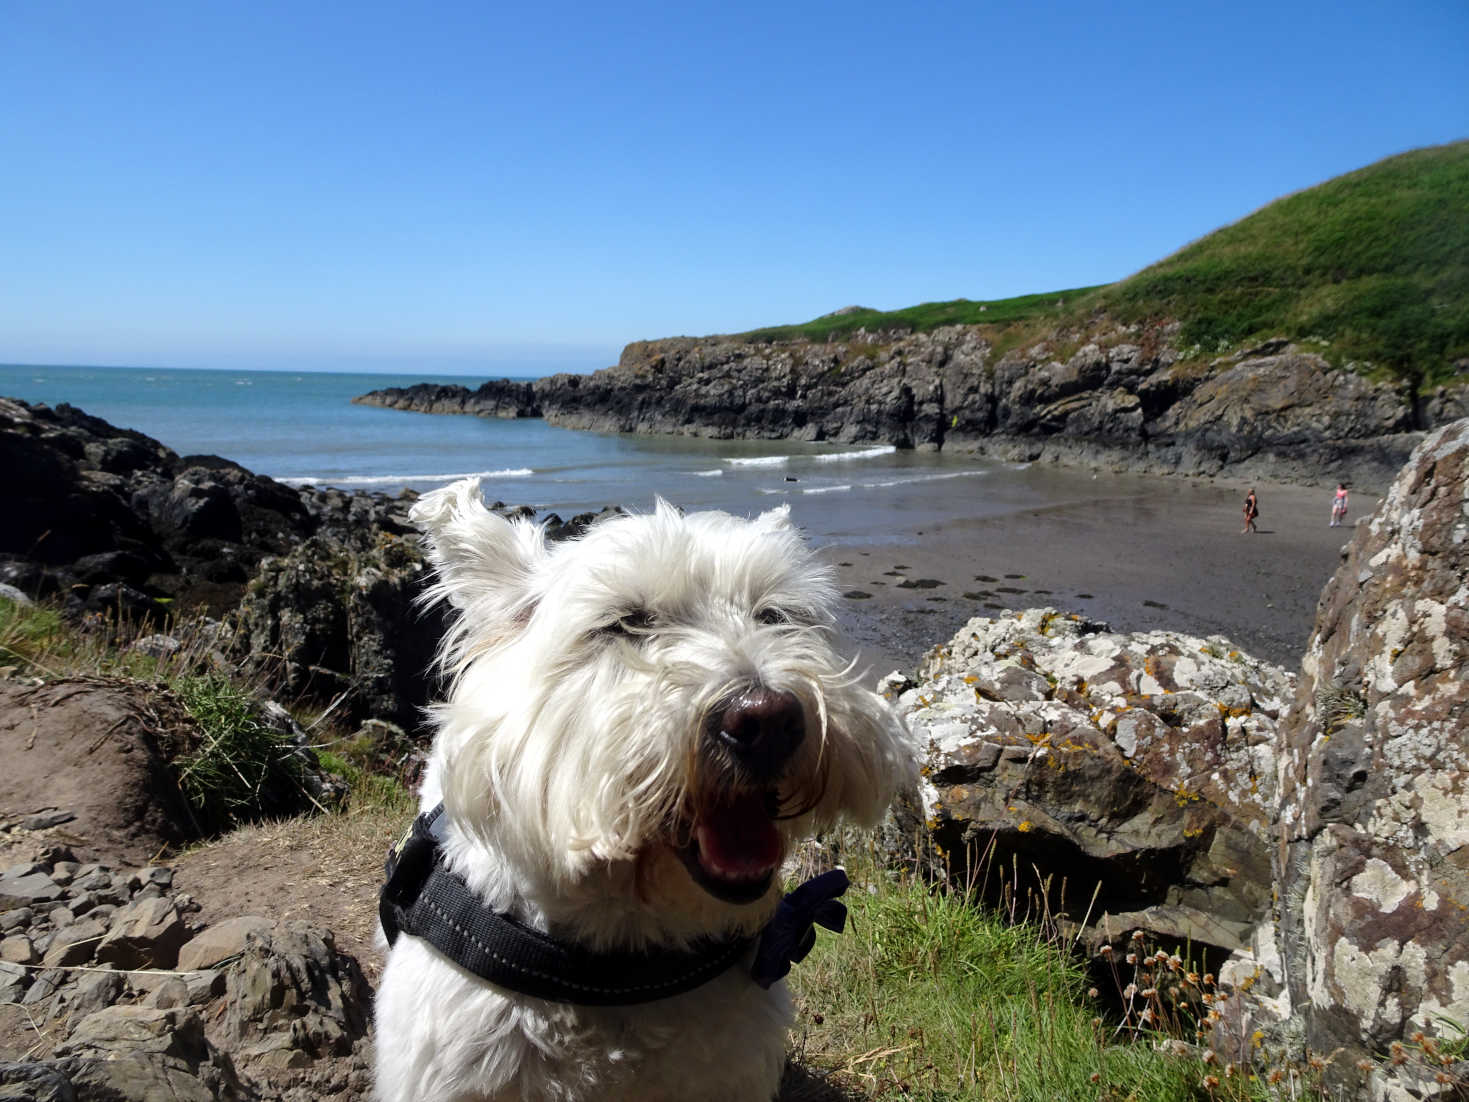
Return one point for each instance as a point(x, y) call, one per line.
point(847, 457)
point(399, 479)
point(923, 478)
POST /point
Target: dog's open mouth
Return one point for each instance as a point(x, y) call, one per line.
point(734, 847)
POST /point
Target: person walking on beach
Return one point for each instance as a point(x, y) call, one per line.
point(1252, 510)
point(1339, 505)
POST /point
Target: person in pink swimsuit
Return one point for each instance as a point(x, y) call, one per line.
point(1339, 505)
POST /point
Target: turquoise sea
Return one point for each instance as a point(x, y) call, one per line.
point(300, 427)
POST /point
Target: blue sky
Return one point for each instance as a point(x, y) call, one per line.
point(483, 187)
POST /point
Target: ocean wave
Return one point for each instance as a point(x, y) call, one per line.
point(707, 474)
point(399, 479)
point(814, 457)
point(864, 453)
point(827, 489)
point(922, 478)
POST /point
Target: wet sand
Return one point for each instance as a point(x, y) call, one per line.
point(1136, 553)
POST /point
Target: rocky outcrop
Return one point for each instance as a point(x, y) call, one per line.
point(335, 621)
point(497, 398)
point(1320, 847)
point(111, 519)
point(132, 1000)
point(1123, 781)
point(1369, 954)
point(1117, 396)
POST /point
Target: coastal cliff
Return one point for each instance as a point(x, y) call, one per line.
point(1120, 396)
point(1315, 339)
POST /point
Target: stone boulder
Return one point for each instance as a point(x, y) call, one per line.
point(1122, 780)
point(291, 999)
point(1369, 957)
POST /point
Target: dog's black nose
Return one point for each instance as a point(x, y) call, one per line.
point(762, 729)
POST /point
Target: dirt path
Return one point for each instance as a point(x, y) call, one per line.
point(325, 870)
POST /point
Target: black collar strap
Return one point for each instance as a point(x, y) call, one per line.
point(425, 899)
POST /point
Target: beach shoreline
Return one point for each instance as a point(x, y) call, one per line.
point(1139, 554)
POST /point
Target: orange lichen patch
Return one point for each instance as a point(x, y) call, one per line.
point(1184, 796)
point(1025, 826)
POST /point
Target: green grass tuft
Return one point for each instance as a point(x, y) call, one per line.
point(929, 996)
point(243, 766)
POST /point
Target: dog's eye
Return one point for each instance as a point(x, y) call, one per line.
point(638, 621)
point(773, 617)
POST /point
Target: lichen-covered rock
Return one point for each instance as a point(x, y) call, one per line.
point(1136, 767)
point(1373, 851)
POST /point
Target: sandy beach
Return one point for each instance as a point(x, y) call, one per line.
point(1139, 553)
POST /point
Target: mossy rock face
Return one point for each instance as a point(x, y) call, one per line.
point(327, 619)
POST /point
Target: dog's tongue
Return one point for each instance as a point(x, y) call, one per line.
point(738, 841)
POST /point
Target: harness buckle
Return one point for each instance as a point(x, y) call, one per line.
point(407, 870)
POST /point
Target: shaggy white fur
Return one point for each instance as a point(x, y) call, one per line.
point(640, 723)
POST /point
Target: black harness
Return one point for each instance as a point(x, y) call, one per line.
point(427, 900)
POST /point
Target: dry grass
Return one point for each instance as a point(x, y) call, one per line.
point(322, 869)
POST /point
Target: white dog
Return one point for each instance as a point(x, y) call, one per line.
point(641, 722)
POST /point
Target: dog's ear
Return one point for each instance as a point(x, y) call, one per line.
point(775, 520)
point(483, 560)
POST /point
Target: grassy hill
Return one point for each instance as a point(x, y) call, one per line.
point(1374, 264)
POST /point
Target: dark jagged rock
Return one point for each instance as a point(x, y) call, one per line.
point(112, 521)
point(319, 585)
point(1125, 397)
point(337, 618)
point(110, 517)
point(498, 398)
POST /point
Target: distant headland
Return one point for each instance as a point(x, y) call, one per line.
point(1317, 339)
